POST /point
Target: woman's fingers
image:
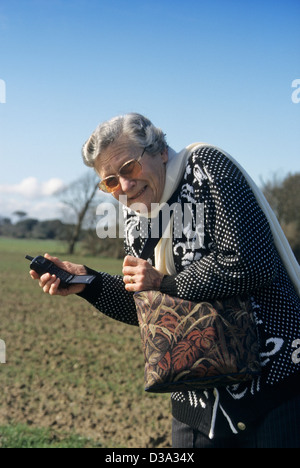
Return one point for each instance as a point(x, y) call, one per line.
point(139, 275)
point(46, 282)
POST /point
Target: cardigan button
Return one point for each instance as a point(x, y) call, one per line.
point(241, 426)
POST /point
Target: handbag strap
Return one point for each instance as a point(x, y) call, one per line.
point(152, 242)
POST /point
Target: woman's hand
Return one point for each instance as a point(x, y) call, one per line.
point(139, 275)
point(50, 284)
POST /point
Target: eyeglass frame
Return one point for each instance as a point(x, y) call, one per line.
point(118, 174)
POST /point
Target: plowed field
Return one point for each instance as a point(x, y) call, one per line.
point(70, 368)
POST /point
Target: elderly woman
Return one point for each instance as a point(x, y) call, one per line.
point(241, 251)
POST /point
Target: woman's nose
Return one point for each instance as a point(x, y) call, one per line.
point(126, 184)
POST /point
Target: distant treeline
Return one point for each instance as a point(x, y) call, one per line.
point(56, 230)
point(34, 229)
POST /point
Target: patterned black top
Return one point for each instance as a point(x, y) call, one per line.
point(236, 255)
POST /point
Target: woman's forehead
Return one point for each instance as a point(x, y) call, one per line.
point(114, 156)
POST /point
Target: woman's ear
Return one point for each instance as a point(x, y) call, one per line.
point(165, 156)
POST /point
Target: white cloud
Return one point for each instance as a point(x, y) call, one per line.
point(33, 197)
point(32, 188)
point(48, 208)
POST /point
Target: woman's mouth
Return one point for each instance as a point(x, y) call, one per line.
point(138, 195)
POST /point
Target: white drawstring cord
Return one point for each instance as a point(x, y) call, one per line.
point(214, 416)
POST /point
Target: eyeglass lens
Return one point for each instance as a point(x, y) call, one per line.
point(130, 169)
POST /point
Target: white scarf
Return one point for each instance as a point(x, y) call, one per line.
point(175, 168)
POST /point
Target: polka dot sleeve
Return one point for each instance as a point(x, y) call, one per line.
point(108, 294)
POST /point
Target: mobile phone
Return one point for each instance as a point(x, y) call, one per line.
point(42, 265)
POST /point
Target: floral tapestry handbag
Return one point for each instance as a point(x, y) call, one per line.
point(190, 346)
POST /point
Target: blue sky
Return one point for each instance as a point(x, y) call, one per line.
point(219, 71)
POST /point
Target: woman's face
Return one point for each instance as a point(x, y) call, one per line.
point(148, 186)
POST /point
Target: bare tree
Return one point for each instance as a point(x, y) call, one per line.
point(79, 198)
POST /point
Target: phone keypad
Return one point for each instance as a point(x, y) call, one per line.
point(61, 274)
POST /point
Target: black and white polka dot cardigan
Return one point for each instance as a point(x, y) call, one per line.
point(237, 256)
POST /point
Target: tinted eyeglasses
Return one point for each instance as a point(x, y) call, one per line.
point(130, 170)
